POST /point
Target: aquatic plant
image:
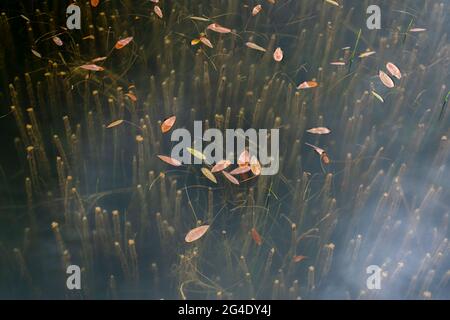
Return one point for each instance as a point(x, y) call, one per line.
point(82, 184)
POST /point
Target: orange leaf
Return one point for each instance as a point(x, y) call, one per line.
point(168, 124)
point(196, 233)
point(123, 42)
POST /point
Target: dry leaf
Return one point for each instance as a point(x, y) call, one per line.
point(167, 124)
point(196, 233)
point(278, 54)
point(169, 160)
point(386, 80)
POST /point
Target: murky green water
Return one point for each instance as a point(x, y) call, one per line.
point(75, 192)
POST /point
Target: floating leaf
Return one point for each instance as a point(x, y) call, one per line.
point(167, 124)
point(385, 79)
point(169, 160)
point(230, 177)
point(325, 158)
point(25, 18)
point(208, 174)
point(131, 96)
point(37, 54)
point(195, 42)
point(196, 233)
point(320, 151)
point(332, 2)
point(394, 70)
point(254, 46)
point(218, 28)
point(221, 165)
point(278, 54)
point(158, 11)
point(319, 130)
point(206, 42)
point(139, 138)
point(376, 95)
point(255, 166)
point(256, 237)
point(367, 54)
point(95, 3)
point(240, 170)
point(417, 30)
point(338, 63)
point(57, 41)
point(199, 18)
point(307, 85)
point(92, 67)
point(115, 123)
point(244, 159)
point(196, 153)
point(99, 59)
point(297, 259)
point(256, 9)
point(123, 42)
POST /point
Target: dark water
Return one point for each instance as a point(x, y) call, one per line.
point(387, 207)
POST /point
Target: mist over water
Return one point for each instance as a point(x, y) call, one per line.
point(75, 192)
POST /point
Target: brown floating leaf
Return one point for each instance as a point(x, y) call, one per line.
point(230, 177)
point(95, 3)
point(394, 70)
point(319, 130)
point(240, 170)
point(244, 159)
point(208, 174)
point(320, 151)
point(92, 67)
point(255, 166)
point(57, 41)
point(256, 237)
point(221, 165)
point(131, 96)
point(114, 124)
point(325, 159)
point(254, 46)
point(196, 233)
point(168, 124)
point(387, 81)
point(158, 11)
point(297, 259)
point(98, 59)
point(307, 85)
point(123, 42)
point(218, 28)
point(206, 42)
point(278, 54)
point(256, 9)
point(169, 160)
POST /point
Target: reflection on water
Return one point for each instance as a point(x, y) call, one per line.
point(79, 187)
